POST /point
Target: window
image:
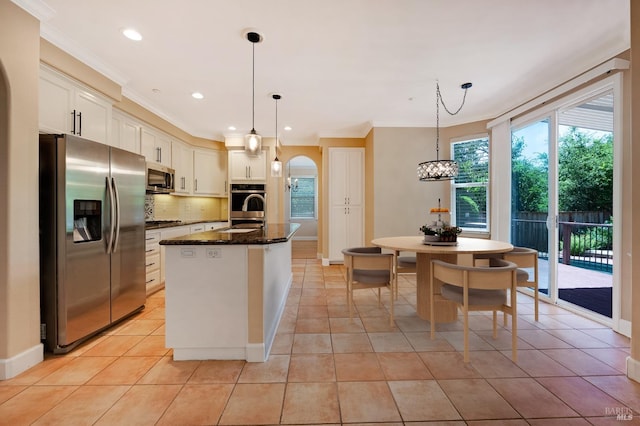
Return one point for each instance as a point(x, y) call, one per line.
point(303, 199)
point(470, 189)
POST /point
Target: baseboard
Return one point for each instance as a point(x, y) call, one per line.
point(13, 366)
point(255, 352)
point(624, 328)
point(633, 369)
point(186, 354)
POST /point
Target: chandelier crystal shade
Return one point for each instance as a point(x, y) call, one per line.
point(440, 169)
point(252, 140)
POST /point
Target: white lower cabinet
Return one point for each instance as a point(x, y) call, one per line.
point(211, 226)
point(152, 263)
point(196, 228)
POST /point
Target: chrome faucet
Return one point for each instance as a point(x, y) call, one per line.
point(246, 201)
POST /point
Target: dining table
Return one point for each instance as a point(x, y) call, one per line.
point(460, 252)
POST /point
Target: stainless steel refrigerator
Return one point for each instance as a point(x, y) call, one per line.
point(92, 247)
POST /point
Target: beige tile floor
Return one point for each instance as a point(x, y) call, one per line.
point(327, 369)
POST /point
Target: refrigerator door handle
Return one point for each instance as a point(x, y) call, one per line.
point(112, 212)
point(117, 210)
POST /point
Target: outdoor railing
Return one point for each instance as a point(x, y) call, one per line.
point(582, 244)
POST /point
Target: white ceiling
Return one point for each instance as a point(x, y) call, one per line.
point(341, 66)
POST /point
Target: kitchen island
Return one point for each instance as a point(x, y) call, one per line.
point(225, 291)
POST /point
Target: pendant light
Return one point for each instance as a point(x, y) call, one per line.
point(276, 165)
point(441, 169)
point(252, 140)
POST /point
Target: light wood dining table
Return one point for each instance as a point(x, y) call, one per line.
point(462, 253)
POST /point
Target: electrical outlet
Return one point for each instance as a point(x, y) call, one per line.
point(214, 252)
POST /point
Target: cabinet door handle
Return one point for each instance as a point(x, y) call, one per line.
point(79, 123)
point(196, 185)
point(150, 264)
point(73, 115)
point(159, 155)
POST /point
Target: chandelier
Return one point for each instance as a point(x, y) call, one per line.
point(441, 169)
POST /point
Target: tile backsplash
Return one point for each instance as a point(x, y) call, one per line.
point(148, 207)
point(169, 207)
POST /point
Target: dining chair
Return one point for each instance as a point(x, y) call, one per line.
point(404, 265)
point(477, 288)
point(527, 260)
point(367, 268)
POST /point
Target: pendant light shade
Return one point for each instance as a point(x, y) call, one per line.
point(276, 168)
point(252, 140)
point(440, 169)
point(276, 165)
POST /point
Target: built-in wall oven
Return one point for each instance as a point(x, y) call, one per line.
point(248, 205)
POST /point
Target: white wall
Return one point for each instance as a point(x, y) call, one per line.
point(402, 202)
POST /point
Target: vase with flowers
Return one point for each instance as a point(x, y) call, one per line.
point(430, 234)
point(448, 233)
point(440, 233)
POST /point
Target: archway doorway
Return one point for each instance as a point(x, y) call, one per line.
point(301, 204)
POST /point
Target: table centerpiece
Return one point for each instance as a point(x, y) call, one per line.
point(439, 230)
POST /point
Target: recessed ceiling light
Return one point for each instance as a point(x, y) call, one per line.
point(287, 128)
point(231, 128)
point(197, 95)
point(132, 34)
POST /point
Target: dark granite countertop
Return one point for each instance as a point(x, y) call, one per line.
point(272, 233)
point(159, 224)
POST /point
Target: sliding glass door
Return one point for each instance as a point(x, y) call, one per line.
point(585, 204)
point(562, 169)
point(531, 197)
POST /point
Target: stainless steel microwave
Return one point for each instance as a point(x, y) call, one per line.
point(160, 179)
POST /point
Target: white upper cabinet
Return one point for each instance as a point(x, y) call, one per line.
point(182, 163)
point(209, 172)
point(247, 168)
point(221, 184)
point(125, 132)
point(155, 146)
point(66, 106)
